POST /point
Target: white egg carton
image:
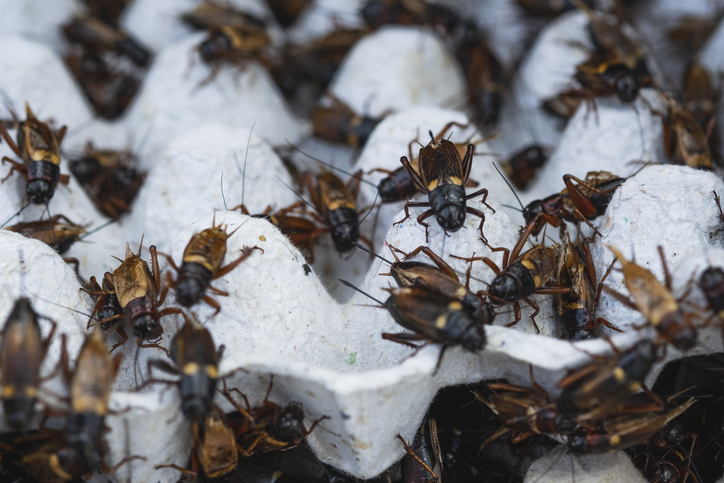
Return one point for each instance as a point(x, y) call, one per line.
point(281, 320)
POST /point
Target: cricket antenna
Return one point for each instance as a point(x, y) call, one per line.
point(512, 207)
point(377, 217)
point(641, 129)
point(370, 210)
point(16, 214)
point(23, 268)
point(361, 247)
point(135, 365)
point(223, 197)
point(472, 277)
point(88, 233)
point(145, 138)
point(688, 457)
point(351, 175)
point(47, 210)
point(639, 170)
point(511, 188)
point(526, 119)
point(348, 284)
point(299, 195)
point(246, 158)
point(59, 305)
point(80, 127)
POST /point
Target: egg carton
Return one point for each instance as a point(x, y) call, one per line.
point(321, 342)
